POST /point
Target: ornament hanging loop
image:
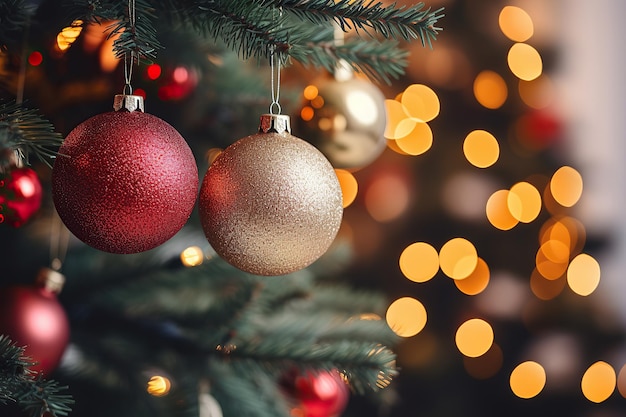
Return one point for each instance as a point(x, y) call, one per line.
point(275, 81)
point(128, 66)
point(128, 74)
point(127, 101)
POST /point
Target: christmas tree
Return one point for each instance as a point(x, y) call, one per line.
point(452, 287)
point(218, 339)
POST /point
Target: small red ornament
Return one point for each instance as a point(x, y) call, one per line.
point(323, 394)
point(20, 195)
point(33, 317)
point(124, 181)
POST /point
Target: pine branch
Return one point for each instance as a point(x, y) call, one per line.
point(405, 22)
point(303, 30)
point(27, 131)
point(381, 61)
point(246, 390)
point(367, 366)
point(14, 18)
point(136, 38)
point(21, 385)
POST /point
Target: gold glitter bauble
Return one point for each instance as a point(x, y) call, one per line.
point(271, 204)
point(345, 120)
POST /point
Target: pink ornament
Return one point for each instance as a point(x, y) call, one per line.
point(124, 181)
point(32, 316)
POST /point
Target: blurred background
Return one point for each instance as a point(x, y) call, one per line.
point(489, 212)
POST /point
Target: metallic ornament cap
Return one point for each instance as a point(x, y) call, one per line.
point(128, 102)
point(51, 280)
point(275, 123)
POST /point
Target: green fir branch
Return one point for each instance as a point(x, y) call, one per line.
point(304, 31)
point(367, 366)
point(246, 390)
point(14, 18)
point(406, 22)
point(26, 131)
point(25, 387)
point(136, 39)
point(379, 60)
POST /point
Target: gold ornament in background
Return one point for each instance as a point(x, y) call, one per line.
point(344, 117)
point(270, 203)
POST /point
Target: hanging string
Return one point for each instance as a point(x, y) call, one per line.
point(128, 66)
point(59, 240)
point(275, 86)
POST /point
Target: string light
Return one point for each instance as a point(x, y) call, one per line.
point(158, 386)
point(192, 256)
point(69, 34)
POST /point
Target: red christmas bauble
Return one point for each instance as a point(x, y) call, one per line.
point(33, 317)
point(20, 196)
point(124, 182)
point(323, 394)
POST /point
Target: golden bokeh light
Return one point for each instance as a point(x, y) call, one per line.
point(484, 366)
point(310, 92)
point(554, 230)
point(458, 258)
point(538, 93)
point(349, 186)
point(527, 379)
point(421, 102)
point(317, 102)
point(525, 62)
point(192, 256)
point(406, 316)
point(583, 274)
point(555, 251)
point(490, 89)
point(387, 198)
point(546, 289)
point(566, 186)
point(307, 113)
point(69, 34)
point(524, 202)
point(481, 148)
point(418, 141)
point(516, 24)
point(158, 386)
point(396, 113)
point(391, 144)
point(549, 268)
point(565, 229)
point(419, 262)
point(598, 382)
point(621, 381)
point(474, 337)
point(477, 281)
point(498, 213)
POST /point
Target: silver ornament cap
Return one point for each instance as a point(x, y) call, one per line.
point(275, 123)
point(51, 280)
point(128, 102)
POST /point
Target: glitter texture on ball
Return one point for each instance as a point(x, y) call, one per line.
point(124, 182)
point(270, 204)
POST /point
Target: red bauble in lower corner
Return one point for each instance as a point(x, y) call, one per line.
point(32, 316)
point(124, 181)
point(20, 196)
point(322, 394)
